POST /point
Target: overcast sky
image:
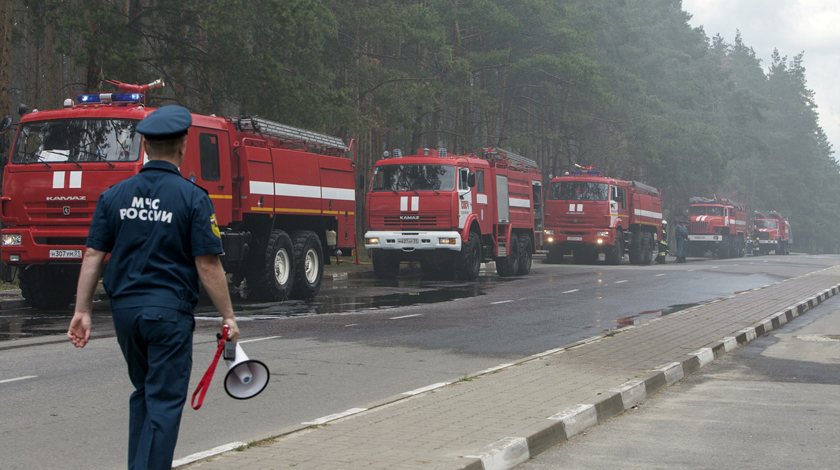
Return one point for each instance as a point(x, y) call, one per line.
point(792, 26)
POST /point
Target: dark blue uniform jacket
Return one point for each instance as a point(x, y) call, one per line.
point(154, 225)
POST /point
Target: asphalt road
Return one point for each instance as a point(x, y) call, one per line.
point(359, 341)
point(771, 405)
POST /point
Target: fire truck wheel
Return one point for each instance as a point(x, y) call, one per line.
point(615, 254)
point(647, 248)
point(470, 262)
point(635, 252)
point(385, 265)
point(271, 278)
point(526, 254)
point(509, 265)
point(724, 248)
point(48, 287)
point(554, 255)
point(309, 264)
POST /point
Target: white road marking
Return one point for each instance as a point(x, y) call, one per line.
point(259, 339)
point(570, 291)
point(352, 324)
point(426, 388)
point(406, 316)
point(714, 267)
point(620, 282)
point(691, 270)
point(501, 302)
point(660, 275)
point(18, 378)
point(328, 418)
point(207, 453)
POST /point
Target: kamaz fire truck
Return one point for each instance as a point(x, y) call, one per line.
point(284, 197)
point(774, 232)
point(718, 226)
point(451, 212)
point(588, 214)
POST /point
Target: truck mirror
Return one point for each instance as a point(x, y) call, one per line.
point(5, 124)
point(471, 180)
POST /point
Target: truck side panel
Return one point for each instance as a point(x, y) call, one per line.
point(339, 196)
point(258, 187)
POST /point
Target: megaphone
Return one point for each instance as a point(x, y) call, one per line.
point(246, 378)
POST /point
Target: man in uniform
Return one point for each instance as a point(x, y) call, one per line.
point(682, 239)
point(663, 243)
point(161, 232)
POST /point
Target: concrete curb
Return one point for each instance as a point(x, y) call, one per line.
point(559, 428)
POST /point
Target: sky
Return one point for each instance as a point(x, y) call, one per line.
point(791, 26)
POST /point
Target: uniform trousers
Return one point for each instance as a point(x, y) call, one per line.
point(157, 345)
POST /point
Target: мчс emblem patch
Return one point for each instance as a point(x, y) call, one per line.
point(214, 226)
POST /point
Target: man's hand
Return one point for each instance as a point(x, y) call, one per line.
point(233, 334)
point(79, 331)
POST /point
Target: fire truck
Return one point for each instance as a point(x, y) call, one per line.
point(451, 212)
point(588, 214)
point(284, 197)
point(774, 232)
point(718, 226)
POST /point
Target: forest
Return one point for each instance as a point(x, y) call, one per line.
point(625, 85)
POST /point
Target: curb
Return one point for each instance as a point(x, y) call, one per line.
point(509, 452)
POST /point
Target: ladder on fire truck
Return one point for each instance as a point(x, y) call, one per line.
point(311, 140)
point(512, 160)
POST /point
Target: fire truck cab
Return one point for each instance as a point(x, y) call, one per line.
point(451, 212)
point(718, 226)
point(774, 233)
point(284, 197)
point(588, 214)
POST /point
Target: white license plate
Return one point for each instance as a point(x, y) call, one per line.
point(65, 253)
point(574, 239)
point(407, 241)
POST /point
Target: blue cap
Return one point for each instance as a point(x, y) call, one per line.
point(168, 122)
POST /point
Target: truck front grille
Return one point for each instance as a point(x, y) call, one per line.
point(699, 227)
point(422, 221)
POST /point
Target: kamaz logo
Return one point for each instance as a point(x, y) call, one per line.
point(66, 198)
point(409, 217)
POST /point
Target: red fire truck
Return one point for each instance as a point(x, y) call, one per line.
point(284, 197)
point(774, 232)
point(588, 214)
point(451, 212)
point(718, 226)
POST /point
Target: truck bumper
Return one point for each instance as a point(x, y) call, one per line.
point(413, 241)
point(44, 245)
point(593, 238)
point(705, 238)
point(768, 243)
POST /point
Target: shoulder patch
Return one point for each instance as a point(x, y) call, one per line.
point(214, 226)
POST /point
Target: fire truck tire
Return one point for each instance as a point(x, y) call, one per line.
point(385, 265)
point(271, 279)
point(509, 265)
point(615, 254)
point(647, 248)
point(309, 264)
point(554, 255)
point(635, 252)
point(469, 263)
point(48, 287)
point(526, 254)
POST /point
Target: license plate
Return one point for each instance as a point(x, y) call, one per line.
point(65, 253)
point(407, 241)
point(574, 239)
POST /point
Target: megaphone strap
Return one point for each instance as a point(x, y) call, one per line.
point(204, 384)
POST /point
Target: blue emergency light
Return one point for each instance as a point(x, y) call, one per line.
point(106, 98)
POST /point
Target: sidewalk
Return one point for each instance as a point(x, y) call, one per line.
point(498, 418)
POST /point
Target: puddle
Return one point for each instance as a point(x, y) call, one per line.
point(642, 317)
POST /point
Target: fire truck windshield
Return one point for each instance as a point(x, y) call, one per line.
point(414, 178)
point(758, 223)
point(77, 140)
point(578, 191)
point(706, 210)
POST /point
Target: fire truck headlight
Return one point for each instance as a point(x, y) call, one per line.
point(371, 241)
point(11, 239)
point(447, 241)
point(550, 240)
point(548, 232)
point(604, 233)
point(599, 241)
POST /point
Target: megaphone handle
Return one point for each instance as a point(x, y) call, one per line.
point(204, 384)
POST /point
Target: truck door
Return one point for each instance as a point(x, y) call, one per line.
point(211, 170)
point(465, 196)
